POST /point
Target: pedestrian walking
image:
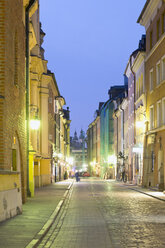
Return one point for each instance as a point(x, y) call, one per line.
point(77, 176)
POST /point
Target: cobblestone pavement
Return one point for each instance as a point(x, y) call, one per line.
point(107, 214)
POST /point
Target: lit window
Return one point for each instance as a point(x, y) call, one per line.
point(151, 117)
point(163, 111)
point(159, 114)
point(151, 79)
point(158, 73)
point(163, 68)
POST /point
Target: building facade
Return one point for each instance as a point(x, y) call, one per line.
point(12, 109)
point(78, 153)
point(107, 155)
point(121, 150)
point(152, 18)
point(27, 149)
point(140, 109)
point(93, 144)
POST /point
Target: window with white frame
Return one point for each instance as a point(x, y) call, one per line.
point(141, 84)
point(137, 89)
point(55, 107)
point(50, 100)
point(151, 79)
point(151, 117)
point(163, 111)
point(163, 68)
point(158, 73)
point(159, 112)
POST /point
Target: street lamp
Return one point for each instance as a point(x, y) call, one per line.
point(57, 157)
point(112, 159)
point(35, 124)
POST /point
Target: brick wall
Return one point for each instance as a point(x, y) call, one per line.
point(2, 77)
point(12, 85)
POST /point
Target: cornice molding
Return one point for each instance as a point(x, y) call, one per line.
point(149, 13)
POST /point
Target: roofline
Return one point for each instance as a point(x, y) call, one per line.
point(143, 10)
point(55, 82)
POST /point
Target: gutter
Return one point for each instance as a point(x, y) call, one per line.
point(27, 54)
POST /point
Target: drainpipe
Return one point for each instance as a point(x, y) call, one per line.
point(31, 2)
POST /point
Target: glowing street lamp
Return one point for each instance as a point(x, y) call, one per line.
point(35, 124)
point(112, 159)
point(60, 155)
point(139, 124)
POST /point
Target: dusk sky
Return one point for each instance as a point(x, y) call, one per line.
point(87, 45)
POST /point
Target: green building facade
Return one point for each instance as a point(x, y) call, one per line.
point(116, 93)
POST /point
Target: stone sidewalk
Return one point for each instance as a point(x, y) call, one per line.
point(38, 213)
point(147, 191)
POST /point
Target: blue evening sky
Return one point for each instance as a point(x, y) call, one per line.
point(87, 45)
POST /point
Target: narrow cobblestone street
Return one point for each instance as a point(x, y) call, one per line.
point(107, 214)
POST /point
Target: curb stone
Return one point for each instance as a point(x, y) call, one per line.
point(39, 236)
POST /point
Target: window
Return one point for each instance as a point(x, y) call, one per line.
point(158, 73)
point(163, 111)
point(55, 107)
point(163, 23)
point(151, 117)
point(151, 79)
point(152, 160)
point(141, 84)
point(163, 68)
point(139, 87)
point(151, 40)
point(14, 159)
point(159, 119)
point(137, 83)
point(158, 29)
point(50, 100)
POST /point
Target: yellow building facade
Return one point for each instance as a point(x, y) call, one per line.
point(152, 18)
point(46, 105)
